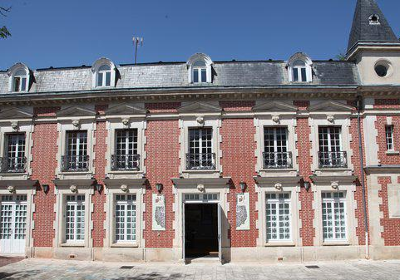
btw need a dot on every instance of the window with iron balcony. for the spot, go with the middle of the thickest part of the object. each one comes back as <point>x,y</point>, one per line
<point>14,160</point>
<point>76,158</point>
<point>331,154</point>
<point>276,154</point>
<point>126,157</point>
<point>200,155</point>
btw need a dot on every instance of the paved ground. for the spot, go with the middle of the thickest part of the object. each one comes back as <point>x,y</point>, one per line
<point>52,269</point>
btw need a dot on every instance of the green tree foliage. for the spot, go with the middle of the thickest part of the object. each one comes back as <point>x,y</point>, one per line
<point>4,33</point>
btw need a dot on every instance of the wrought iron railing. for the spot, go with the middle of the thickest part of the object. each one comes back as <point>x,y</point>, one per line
<point>78,163</point>
<point>13,164</point>
<point>125,162</point>
<point>204,161</point>
<point>278,160</point>
<point>332,159</point>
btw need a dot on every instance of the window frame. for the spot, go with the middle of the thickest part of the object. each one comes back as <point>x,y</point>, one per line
<point>105,76</point>
<point>389,138</point>
<point>286,147</point>
<point>278,202</point>
<point>333,201</point>
<point>76,203</point>
<point>126,203</point>
<point>96,70</point>
<point>191,66</point>
<point>293,63</point>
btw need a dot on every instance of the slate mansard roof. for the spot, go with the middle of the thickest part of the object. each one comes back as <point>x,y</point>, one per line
<point>175,75</point>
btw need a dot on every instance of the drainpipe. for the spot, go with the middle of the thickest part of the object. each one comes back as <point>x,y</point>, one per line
<point>364,197</point>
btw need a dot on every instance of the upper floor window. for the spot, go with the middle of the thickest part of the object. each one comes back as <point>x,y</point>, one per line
<point>19,81</point>
<point>19,78</point>
<point>76,155</point>
<point>126,157</point>
<point>331,154</point>
<point>200,69</point>
<point>104,73</point>
<point>14,160</point>
<point>104,76</point>
<point>389,138</point>
<point>200,155</point>
<point>300,70</point>
<point>276,153</point>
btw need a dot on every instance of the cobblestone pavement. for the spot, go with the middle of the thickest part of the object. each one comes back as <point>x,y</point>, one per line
<point>53,269</point>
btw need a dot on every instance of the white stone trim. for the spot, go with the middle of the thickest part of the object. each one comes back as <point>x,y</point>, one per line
<point>351,220</point>
<point>133,123</point>
<point>294,191</point>
<point>308,64</point>
<point>23,126</point>
<point>212,121</point>
<point>64,125</point>
<point>199,57</point>
<point>370,139</point>
<point>109,223</point>
<point>288,121</point>
<point>178,204</point>
<point>31,208</point>
<point>59,209</point>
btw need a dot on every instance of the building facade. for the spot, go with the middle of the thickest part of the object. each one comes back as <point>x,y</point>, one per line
<point>272,161</point>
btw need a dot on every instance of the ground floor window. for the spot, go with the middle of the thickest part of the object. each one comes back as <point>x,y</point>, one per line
<point>125,218</point>
<point>75,218</point>
<point>278,216</point>
<point>334,216</point>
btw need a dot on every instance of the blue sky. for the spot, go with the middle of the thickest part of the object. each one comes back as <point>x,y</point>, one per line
<point>76,32</point>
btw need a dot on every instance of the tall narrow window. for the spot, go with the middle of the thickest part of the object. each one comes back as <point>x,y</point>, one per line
<point>200,154</point>
<point>389,138</point>
<point>76,157</point>
<point>14,161</point>
<point>334,216</point>
<point>276,154</point>
<point>330,148</point>
<point>125,218</point>
<point>278,215</point>
<point>126,151</point>
<point>104,76</point>
<point>299,71</point>
<point>75,218</point>
<point>20,81</point>
<point>199,72</point>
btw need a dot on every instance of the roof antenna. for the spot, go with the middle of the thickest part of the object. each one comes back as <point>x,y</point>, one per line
<point>137,41</point>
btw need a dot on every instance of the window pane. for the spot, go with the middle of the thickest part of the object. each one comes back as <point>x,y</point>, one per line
<point>203,75</point>
<point>295,74</point>
<point>17,83</point>
<point>278,217</point>
<point>303,75</point>
<point>108,79</point>
<point>23,84</point>
<point>334,216</point>
<point>195,75</point>
<point>100,79</point>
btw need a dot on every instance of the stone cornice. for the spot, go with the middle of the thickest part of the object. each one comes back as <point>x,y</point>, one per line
<point>130,183</point>
<point>19,183</point>
<point>270,181</point>
<point>207,182</point>
<point>382,169</point>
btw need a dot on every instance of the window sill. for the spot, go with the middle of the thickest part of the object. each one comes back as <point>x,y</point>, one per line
<point>124,245</point>
<point>72,245</point>
<point>125,172</point>
<point>335,243</point>
<point>280,244</point>
<point>200,171</point>
<point>392,153</point>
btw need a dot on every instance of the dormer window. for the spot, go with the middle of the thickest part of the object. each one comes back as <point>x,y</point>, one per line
<point>104,73</point>
<point>199,72</point>
<point>104,76</point>
<point>19,78</point>
<point>299,68</point>
<point>20,81</point>
<point>299,71</point>
<point>199,69</point>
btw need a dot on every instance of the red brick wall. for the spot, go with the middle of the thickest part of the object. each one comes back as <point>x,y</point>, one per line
<point>44,164</point>
<point>303,146</point>
<point>237,106</point>
<point>391,227</point>
<point>162,163</point>
<point>98,199</point>
<point>380,125</point>
<point>387,103</point>
<point>238,161</point>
